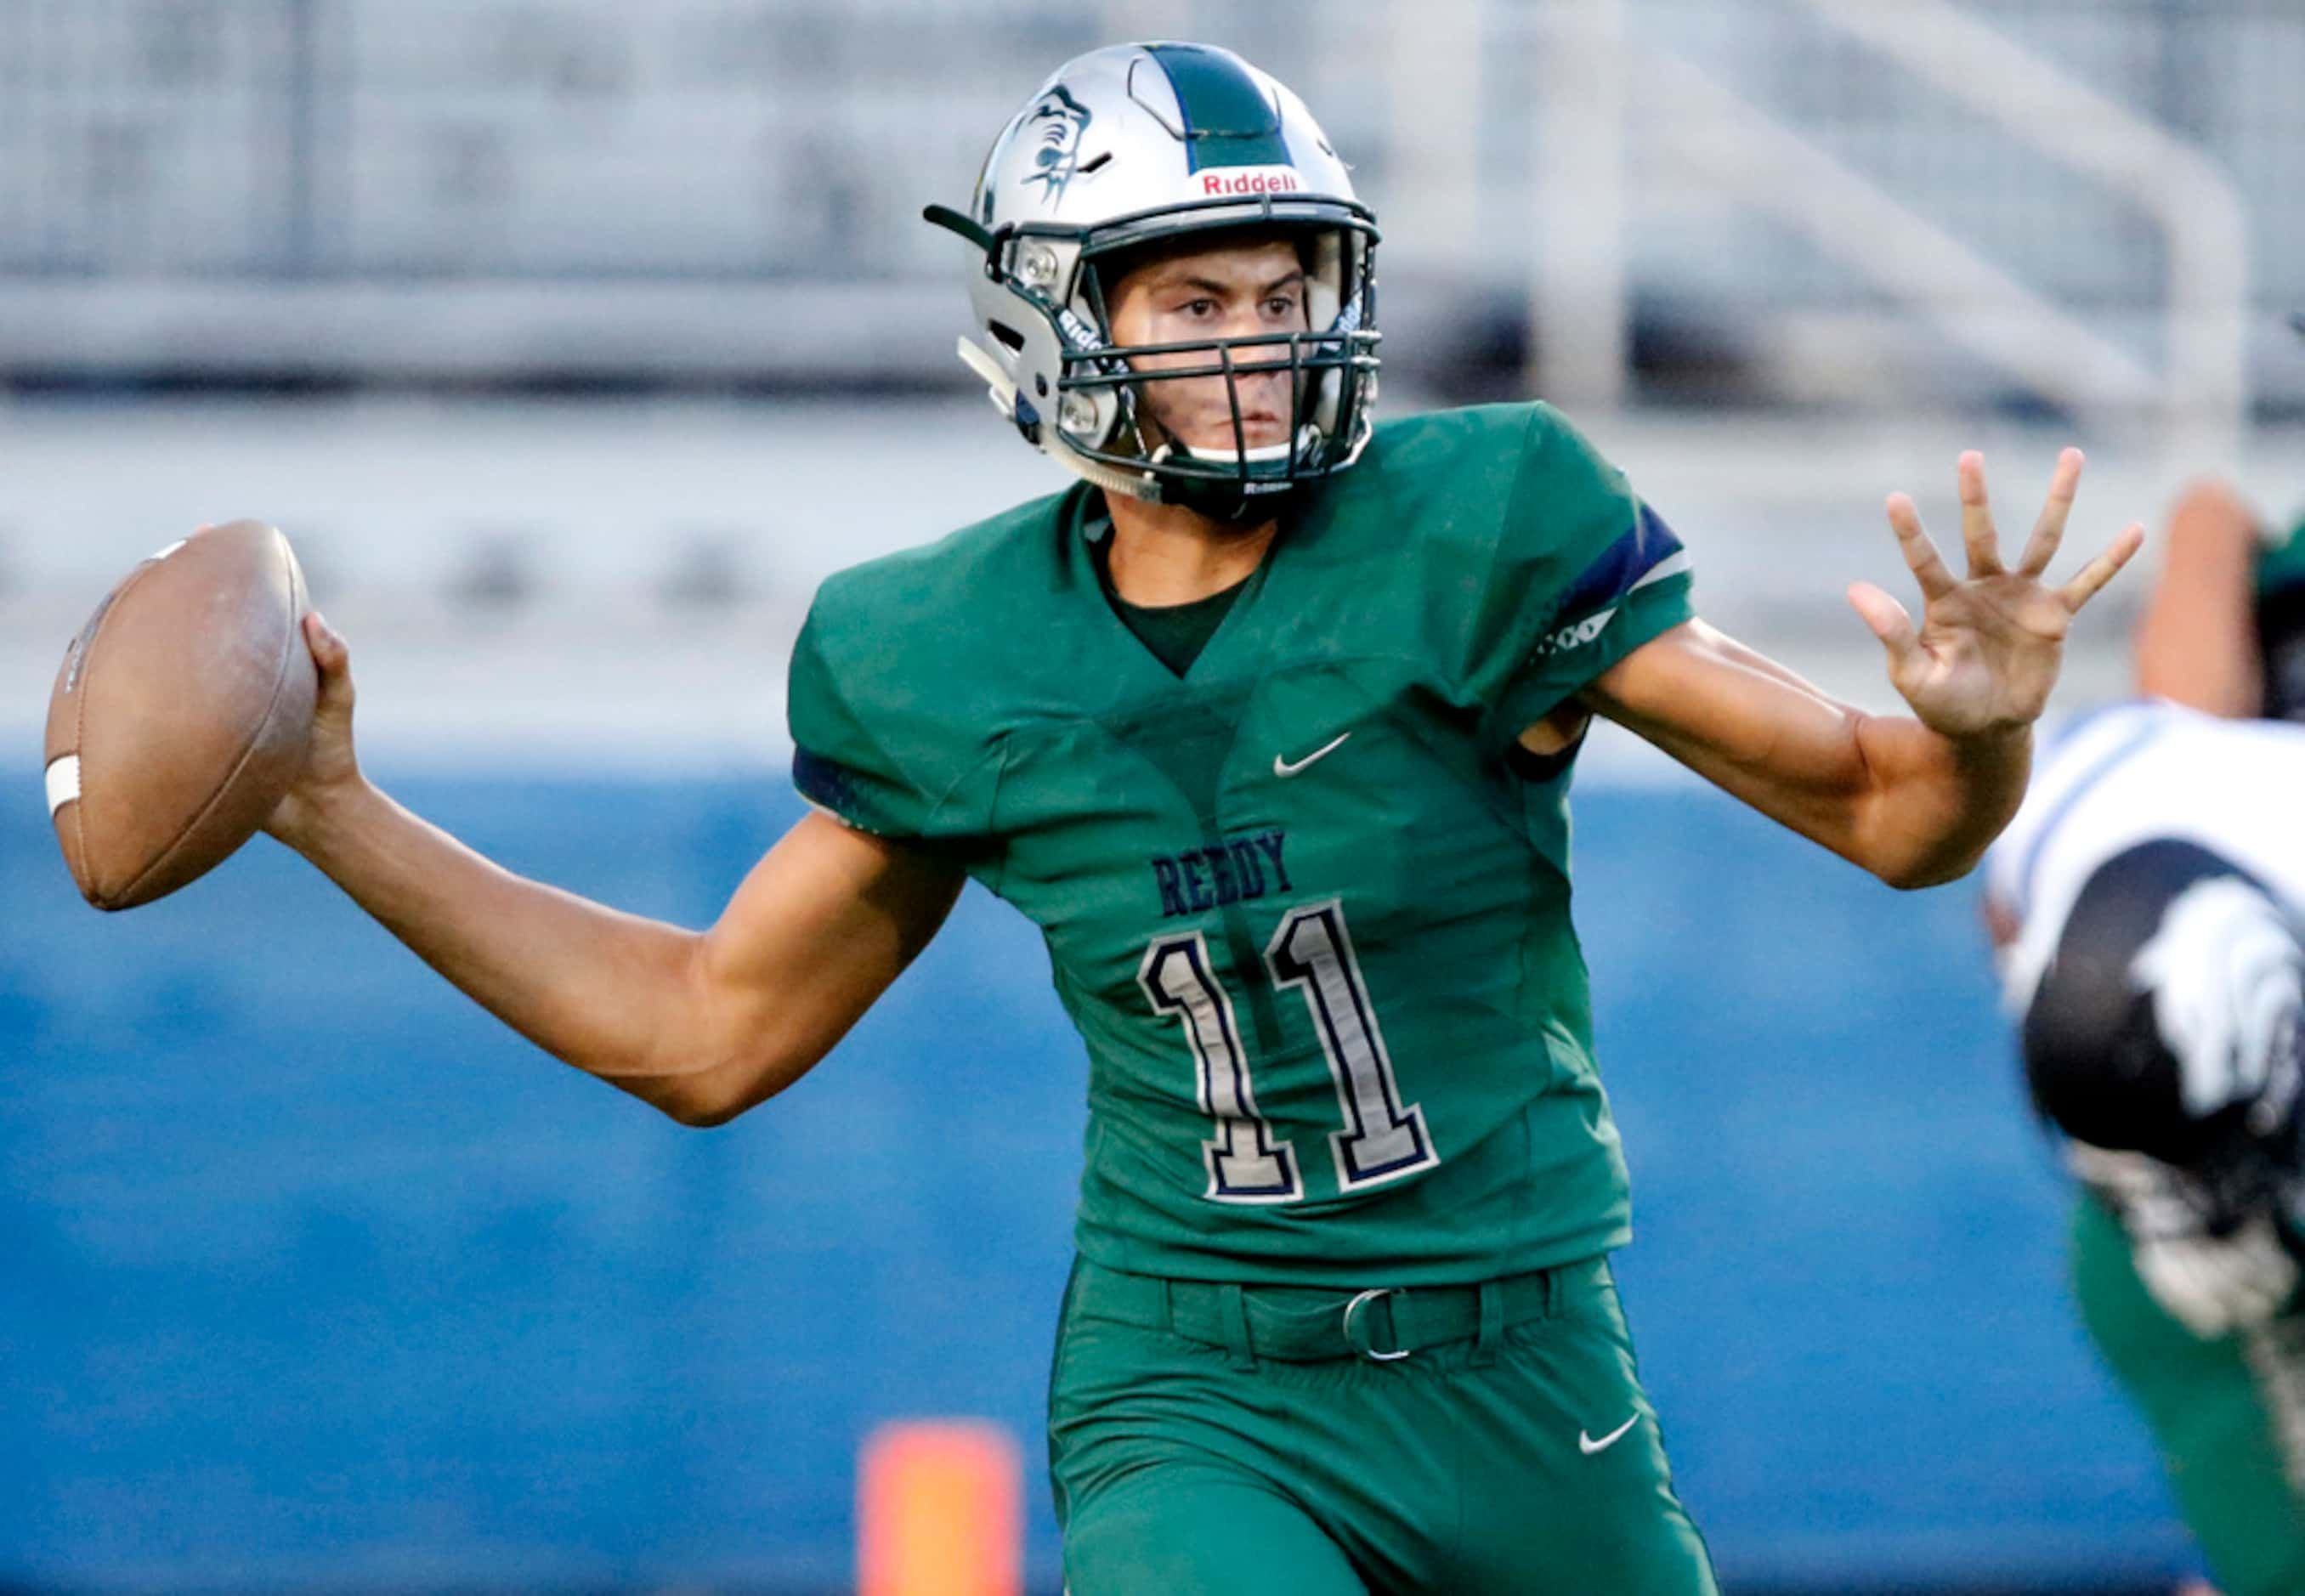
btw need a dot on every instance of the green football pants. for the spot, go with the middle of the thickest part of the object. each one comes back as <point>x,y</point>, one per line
<point>2228,1413</point>
<point>1209,1440</point>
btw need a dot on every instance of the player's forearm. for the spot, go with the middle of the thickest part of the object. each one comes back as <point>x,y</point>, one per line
<point>2195,642</point>
<point>1885,793</point>
<point>1932,804</point>
<point>1888,794</point>
<point>601,990</point>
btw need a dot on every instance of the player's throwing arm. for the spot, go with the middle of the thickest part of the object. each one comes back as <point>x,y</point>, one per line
<point>700,1024</point>
<point>203,701</point>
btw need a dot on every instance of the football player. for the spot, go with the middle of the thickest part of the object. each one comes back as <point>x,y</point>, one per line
<point>2224,629</point>
<point>1267,722</point>
<point>2147,902</point>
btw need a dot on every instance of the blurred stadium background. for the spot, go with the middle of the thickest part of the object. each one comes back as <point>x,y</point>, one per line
<point>574,342</point>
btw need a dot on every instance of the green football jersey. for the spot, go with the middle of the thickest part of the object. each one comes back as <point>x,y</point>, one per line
<point>1309,915</point>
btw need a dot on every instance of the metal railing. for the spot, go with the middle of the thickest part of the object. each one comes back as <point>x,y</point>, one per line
<point>2199,210</point>
<point>470,183</point>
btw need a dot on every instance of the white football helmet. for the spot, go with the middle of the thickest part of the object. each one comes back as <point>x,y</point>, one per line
<point>1142,144</point>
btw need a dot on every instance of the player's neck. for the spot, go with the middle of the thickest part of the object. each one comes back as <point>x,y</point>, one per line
<point>1166,555</point>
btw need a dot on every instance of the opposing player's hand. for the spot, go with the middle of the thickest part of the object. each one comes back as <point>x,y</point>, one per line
<point>1986,651</point>
<point>331,768</point>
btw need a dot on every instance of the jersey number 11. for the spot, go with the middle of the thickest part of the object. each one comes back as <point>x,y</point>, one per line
<point>1312,953</point>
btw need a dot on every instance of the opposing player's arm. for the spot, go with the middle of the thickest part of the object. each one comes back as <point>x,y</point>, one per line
<point>2197,639</point>
<point>1912,799</point>
<point>702,1025</point>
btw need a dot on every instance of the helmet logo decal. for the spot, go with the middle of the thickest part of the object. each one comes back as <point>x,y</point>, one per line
<point>1054,125</point>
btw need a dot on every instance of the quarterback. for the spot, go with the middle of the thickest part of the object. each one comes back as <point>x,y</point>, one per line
<point>1267,723</point>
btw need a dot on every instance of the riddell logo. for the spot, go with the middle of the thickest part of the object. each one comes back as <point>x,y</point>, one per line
<point>1267,180</point>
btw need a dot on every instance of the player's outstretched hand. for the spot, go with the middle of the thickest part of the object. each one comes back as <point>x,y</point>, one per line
<point>330,765</point>
<point>1985,654</point>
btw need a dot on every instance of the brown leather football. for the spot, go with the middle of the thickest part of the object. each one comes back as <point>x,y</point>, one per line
<point>182,714</point>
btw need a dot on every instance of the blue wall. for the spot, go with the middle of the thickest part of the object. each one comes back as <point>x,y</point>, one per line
<point>309,1273</point>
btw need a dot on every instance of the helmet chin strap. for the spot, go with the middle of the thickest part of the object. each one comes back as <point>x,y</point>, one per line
<point>1208,497</point>
<point>1104,475</point>
<point>1264,454</point>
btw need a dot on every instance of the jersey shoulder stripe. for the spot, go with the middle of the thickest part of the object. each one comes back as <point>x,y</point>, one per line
<point>1646,553</point>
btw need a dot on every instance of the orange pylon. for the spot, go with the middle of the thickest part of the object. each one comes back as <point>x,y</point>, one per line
<point>939,1510</point>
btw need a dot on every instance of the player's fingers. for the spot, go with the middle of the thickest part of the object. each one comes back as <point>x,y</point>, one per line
<point>1976,531</point>
<point>1887,619</point>
<point>2103,568</point>
<point>2049,532</point>
<point>1920,553</point>
<point>330,653</point>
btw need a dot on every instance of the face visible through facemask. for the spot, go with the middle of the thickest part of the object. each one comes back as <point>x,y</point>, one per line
<point>1252,286</point>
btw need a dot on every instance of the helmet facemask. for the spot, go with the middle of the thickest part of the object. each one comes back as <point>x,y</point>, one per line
<point>1324,373</point>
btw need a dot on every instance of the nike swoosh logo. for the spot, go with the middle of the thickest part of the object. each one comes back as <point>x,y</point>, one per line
<point>1281,768</point>
<point>1589,1446</point>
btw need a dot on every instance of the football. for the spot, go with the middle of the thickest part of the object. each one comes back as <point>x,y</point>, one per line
<point>180,715</point>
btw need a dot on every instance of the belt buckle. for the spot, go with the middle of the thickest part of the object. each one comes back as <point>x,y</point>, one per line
<point>1360,1342</point>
